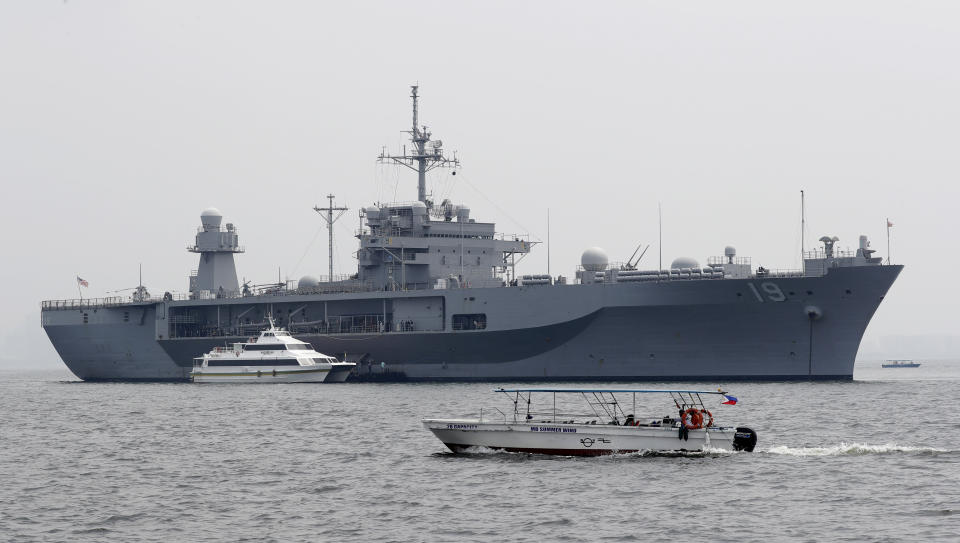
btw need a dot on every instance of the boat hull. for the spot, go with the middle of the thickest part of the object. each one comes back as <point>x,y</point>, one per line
<point>465,436</point>
<point>705,329</point>
<point>325,373</point>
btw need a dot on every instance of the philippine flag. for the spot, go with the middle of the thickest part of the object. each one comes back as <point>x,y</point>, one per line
<point>729,400</point>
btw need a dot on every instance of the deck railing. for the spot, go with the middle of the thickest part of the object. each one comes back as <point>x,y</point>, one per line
<point>85,303</point>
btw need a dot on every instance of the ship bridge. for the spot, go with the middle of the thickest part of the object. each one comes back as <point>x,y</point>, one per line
<point>407,247</point>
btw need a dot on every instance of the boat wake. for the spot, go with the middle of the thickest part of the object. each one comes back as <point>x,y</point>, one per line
<point>842,449</point>
<point>851,449</point>
<point>707,452</point>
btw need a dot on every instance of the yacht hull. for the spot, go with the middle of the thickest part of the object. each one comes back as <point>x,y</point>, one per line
<point>325,373</point>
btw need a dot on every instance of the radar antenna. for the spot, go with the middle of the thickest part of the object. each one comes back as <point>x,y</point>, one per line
<point>426,154</point>
<point>330,219</point>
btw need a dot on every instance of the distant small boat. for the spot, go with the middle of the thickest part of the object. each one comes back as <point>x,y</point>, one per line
<point>900,364</point>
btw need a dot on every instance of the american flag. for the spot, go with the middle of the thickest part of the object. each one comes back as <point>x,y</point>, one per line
<point>889,224</point>
<point>82,282</point>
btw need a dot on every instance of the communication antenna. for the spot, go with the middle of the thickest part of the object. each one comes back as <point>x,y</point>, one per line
<point>330,219</point>
<point>548,241</point>
<point>660,234</point>
<point>425,156</point>
<point>803,226</point>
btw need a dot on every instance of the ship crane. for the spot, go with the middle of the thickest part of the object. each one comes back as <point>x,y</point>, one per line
<point>140,293</point>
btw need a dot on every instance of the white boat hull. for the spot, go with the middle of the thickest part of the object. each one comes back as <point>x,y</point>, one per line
<point>459,435</point>
<point>320,373</point>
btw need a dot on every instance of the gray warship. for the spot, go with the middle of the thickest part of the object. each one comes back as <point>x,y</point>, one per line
<point>436,297</point>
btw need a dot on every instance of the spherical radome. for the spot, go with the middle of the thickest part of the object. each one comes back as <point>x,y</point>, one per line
<point>308,281</point>
<point>594,259</point>
<point>684,262</point>
<point>211,216</point>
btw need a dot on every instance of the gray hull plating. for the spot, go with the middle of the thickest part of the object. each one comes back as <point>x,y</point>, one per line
<point>729,329</point>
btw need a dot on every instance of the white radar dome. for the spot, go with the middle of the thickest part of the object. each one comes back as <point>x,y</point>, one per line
<point>594,259</point>
<point>730,250</point>
<point>684,262</point>
<point>308,281</point>
<point>211,217</point>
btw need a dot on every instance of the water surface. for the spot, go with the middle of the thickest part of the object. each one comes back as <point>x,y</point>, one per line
<point>874,459</point>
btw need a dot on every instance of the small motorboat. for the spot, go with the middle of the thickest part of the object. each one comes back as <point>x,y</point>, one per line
<point>274,357</point>
<point>605,425</point>
<point>900,364</point>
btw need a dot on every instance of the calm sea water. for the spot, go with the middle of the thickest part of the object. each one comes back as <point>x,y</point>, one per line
<point>876,459</point>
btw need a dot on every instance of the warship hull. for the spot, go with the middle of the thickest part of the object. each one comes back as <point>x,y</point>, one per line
<point>758,328</point>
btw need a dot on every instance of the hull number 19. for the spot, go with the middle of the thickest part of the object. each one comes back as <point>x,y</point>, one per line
<point>772,291</point>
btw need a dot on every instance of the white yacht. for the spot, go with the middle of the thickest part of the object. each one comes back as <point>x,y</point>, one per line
<point>274,357</point>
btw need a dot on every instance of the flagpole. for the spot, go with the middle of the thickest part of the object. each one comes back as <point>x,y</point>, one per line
<point>78,290</point>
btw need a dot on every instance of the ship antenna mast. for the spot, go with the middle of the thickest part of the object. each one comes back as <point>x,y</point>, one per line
<point>330,219</point>
<point>803,227</point>
<point>426,154</point>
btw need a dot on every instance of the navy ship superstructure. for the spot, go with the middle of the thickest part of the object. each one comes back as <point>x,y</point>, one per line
<point>436,296</point>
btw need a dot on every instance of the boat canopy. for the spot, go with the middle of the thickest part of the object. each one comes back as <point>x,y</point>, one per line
<point>609,391</point>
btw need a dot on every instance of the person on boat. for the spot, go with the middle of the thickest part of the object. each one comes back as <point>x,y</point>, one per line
<point>684,433</point>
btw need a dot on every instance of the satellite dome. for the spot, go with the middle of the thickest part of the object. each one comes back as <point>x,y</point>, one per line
<point>684,262</point>
<point>730,250</point>
<point>594,259</point>
<point>211,217</point>
<point>308,281</point>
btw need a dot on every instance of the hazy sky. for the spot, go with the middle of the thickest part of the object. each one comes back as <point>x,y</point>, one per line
<point>121,121</point>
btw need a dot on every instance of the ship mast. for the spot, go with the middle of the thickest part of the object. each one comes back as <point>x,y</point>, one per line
<point>426,154</point>
<point>330,219</point>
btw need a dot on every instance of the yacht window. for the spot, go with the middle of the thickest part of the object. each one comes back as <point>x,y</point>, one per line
<point>255,363</point>
<point>264,347</point>
<point>298,347</point>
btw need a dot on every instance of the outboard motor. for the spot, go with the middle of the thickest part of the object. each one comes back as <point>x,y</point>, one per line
<point>745,439</point>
